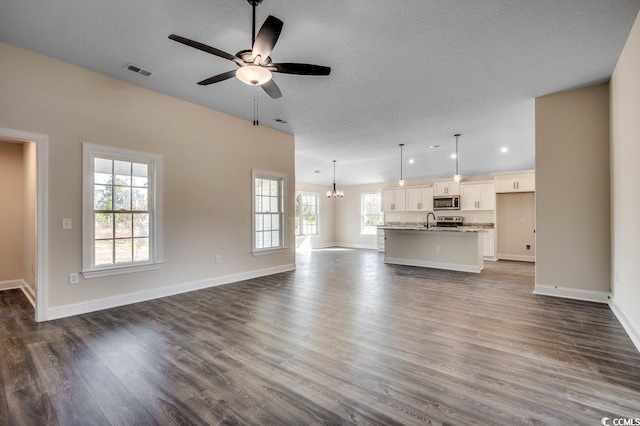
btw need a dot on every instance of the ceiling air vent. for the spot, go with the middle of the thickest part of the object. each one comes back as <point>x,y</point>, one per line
<point>138,70</point>
<point>280,120</point>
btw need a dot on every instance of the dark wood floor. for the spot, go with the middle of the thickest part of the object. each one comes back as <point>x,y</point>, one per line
<point>344,339</point>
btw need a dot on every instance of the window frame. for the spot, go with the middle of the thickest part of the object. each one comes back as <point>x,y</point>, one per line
<point>263,174</point>
<point>308,194</point>
<point>362,213</point>
<point>155,161</point>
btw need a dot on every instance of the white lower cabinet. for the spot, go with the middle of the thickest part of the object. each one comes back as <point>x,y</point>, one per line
<point>489,243</point>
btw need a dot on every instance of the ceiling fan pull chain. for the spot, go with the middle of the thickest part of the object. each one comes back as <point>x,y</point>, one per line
<point>255,107</point>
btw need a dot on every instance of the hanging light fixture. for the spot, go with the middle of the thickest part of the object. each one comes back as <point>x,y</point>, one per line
<point>456,177</point>
<point>401,181</point>
<point>335,193</point>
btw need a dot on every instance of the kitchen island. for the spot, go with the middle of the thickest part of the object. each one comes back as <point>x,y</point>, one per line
<point>455,249</point>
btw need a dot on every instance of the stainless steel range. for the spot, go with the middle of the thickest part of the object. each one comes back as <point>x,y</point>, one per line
<point>450,221</point>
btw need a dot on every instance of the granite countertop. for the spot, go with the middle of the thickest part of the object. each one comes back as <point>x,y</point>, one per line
<point>420,226</point>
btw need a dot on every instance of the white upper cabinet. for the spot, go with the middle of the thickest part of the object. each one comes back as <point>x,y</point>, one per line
<point>446,188</point>
<point>478,196</point>
<point>393,200</point>
<point>516,182</point>
<point>419,199</point>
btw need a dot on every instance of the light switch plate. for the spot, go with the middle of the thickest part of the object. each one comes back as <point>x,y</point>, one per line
<point>66,223</point>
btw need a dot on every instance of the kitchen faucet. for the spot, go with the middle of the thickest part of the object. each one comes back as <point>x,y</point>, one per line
<point>434,218</point>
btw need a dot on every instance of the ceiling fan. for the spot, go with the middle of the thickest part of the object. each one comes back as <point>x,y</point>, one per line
<point>255,66</point>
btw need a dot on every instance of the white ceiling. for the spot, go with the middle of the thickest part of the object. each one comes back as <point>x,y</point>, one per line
<point>410,71</point>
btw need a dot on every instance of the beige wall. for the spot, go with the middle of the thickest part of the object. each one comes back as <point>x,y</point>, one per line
<point>29,214</point>
<point>625,178</point>
<point>347,213</point>
<point>516,224</point>
<point>11,189</point>
<point>325,238</point>
<point>572,189</point>
<point>208,158</point>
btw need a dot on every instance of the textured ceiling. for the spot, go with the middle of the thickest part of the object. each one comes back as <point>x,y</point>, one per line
<point>412,72</point>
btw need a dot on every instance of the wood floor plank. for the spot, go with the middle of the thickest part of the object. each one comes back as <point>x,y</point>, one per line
<point>344,339</point>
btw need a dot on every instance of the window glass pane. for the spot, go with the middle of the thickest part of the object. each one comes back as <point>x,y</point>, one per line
<point>265,187</point>
<point>266,239</point>
<point>140,249</point>
<point>266,204</point>
<point>122,170</point>
<point>258,187</point>
<point>124,252</point>
<point>140,174</point>
<point>259,240</point>
<point>139,199</point>
<point>141,225</point>
<point>122,197</point>
<point>274,205</point>
<point>124,225</point>
<point>102,197</point>
<point>275,239</point>
<point>259,222</point>
<point>274,188</point>
<point>102,165</point>
<point>267,222</point>
<point>103,225</point>
<point>104,252</point>
<point>275,221</point>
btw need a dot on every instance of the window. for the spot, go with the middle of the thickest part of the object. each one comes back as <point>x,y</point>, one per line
<point>268,212</point>
<point>122,211</point>
<point>307,213</point>
<point>370,213</point>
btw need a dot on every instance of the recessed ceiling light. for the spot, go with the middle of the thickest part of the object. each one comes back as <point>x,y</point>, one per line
<point>280,120</point>
<point>504,149</point>
<point>411,161</point>
<point>453,156</point>
<point>317,171</point>
<point>434,146</point>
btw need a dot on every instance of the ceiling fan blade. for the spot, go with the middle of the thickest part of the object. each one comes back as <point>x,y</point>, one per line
<point>267,38</point>
<point>300,69</point>
<point>203,47</point>
<point>217,78</point>
<point>272,89</point>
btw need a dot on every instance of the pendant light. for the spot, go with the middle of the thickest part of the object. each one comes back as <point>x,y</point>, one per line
<point>335,193</point>
<point>456,177</point>
<point>401,181</point>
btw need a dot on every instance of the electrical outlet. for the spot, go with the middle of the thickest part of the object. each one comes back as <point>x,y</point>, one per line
<point>66,223</point>
<point>218,258</point>
<point>74,278</point>
<point>527,246</point>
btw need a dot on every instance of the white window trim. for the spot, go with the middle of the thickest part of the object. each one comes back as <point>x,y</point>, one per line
<point>263,174</point>
<point>362,215</point>
<point>316,194</point>
<point>156,253</point>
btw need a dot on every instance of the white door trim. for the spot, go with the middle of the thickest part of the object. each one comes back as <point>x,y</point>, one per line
<point>42,214</point>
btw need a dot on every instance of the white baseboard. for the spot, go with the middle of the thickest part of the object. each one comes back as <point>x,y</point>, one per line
<point>435,265</point>
<point>516,257</point>
<point>357,246</point>
<point>626,324</point>
<point>322,245</point>
<point>22,285</point>
<point>141,296</point>
<point>572,293</point>
<point>11,284</point>
<point>28,291</point>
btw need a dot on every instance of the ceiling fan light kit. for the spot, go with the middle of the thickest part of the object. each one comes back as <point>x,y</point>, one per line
<point>254,66</point>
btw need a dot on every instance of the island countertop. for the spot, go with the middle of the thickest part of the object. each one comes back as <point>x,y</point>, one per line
<point>432,228</point>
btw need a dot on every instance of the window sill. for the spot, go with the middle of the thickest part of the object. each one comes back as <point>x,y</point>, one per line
<point>263,252</point>
<point>119,270</point>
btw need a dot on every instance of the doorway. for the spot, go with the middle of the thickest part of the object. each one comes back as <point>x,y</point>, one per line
<point>33,150</point>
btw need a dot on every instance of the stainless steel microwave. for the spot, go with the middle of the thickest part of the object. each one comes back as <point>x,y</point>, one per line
<point>448,202</point>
